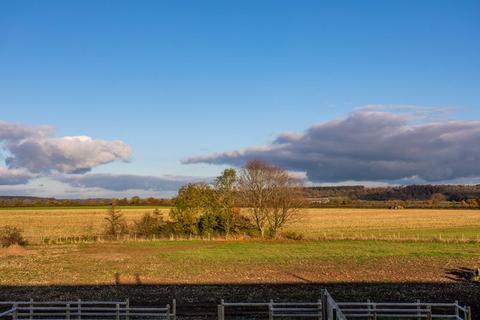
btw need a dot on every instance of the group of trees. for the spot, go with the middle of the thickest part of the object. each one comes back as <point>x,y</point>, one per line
<point>269,198</point>
<point>412,196</point>
<point>400,193</point>
<point>149,225</point>
<point>203,209</point>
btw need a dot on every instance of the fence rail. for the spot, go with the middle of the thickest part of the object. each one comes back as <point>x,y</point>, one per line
<point>326,308</point>
<point>83,310</point>
<point>414,310</point>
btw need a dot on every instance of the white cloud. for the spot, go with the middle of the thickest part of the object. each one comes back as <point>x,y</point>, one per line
<point>33,151</point>
<point>67,154</point>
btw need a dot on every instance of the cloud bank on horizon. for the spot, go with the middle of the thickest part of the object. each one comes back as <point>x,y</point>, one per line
<point>124,182</point>
<point>371,145</point>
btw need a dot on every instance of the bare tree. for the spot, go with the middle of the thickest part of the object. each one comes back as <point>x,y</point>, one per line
<point>271,196</point>
<point>286,202</point>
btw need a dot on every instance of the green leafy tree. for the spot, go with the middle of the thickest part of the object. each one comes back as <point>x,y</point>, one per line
<point>189,205</point>
<point>224,199</point>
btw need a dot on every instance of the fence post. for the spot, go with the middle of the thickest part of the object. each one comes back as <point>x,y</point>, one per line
<point>127,309</point>
<point>418,310</point>
<point>221,310</point>
<point>68,311</point>
<point>15,313</point>
<point>174,309</point>
<point>369,307</point>
<point>270,310</point>
<point>457,312</point>
<point>374,305</point>
<point>320,312</point>
<point>429,312</point>
<point>31,308</point>
<point>324,304</point>
<point>79,309</point>
<point>469,313</point>
<point>117,314</point>
<point>168,312</point>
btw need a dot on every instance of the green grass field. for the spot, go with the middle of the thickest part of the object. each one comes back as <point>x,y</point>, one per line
<point>233,261</point>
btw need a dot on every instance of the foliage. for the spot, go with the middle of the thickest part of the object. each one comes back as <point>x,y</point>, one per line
<point>151,224</point>
<point>190,204</point>
<point>36,202</point>
<point>292,235</point>
<point>224,200</point>
<point>205,210</point>
<point>10,235</point>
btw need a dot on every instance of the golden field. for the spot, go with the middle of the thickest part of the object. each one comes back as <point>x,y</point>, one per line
<point>314,223</point>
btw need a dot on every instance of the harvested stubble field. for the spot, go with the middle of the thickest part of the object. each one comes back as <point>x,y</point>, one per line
<point>424,224</point>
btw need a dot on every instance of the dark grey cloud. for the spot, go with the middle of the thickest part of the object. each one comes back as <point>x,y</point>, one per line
<point>124,182</point>
<point>34,151</point>
<point>370,145</point>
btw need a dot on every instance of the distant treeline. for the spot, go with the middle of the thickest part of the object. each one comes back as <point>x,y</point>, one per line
<point>413,196</point>
<point>412,192</point>
<point>15,201</point>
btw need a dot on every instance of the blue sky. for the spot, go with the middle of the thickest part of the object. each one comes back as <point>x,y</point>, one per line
<point>180,79</point>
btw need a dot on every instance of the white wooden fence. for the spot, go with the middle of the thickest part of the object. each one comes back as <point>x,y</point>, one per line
<point>417,310</point>
<point>83,310</point>
<point>326,308</point>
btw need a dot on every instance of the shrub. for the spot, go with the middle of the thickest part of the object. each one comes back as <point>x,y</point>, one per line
<point>208,224</point>
<point>292,235</point>
<point>115,223</point>
<point>150,225</point>
<point>10,235</point>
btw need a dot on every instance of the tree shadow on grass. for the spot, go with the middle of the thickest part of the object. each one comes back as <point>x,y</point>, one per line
<point>461,274</point>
